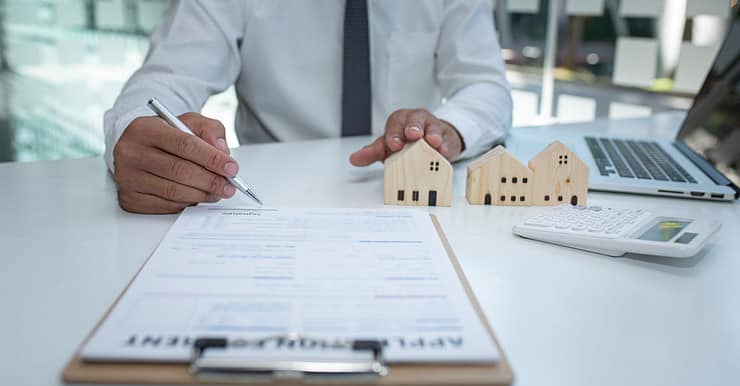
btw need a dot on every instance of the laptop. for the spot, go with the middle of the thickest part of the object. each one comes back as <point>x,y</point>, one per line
<point>702,162</point>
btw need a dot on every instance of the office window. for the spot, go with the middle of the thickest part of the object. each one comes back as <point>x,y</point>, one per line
<point>62,65</point>
<point>611,59</point>
<point>400,195</point>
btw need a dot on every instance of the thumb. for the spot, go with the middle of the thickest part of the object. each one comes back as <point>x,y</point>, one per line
<point>375,151</point>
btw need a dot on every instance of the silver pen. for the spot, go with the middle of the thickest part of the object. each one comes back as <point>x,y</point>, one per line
<point>170,118</point>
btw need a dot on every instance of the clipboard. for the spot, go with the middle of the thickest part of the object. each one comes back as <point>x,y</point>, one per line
<point>500,373</point>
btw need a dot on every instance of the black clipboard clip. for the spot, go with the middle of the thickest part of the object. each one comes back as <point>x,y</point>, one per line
<point>223,366</point>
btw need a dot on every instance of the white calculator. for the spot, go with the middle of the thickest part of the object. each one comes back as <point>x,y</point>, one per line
<point>615,232</point>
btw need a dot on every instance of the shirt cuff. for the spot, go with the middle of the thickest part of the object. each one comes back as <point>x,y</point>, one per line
<point>472,134</point>
<point>114,128</point>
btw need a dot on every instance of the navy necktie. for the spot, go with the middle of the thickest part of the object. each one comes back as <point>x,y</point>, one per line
<point>356,102</point>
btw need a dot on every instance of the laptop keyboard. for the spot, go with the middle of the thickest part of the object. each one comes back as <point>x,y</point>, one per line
<point>636,159</point>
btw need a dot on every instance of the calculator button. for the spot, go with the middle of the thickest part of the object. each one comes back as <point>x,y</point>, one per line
<point>544,224</point>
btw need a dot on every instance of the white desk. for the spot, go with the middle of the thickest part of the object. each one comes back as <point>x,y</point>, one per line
<point>564,317</point>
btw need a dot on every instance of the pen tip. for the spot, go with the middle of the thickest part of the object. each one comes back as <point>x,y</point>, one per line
<point>254,197</point>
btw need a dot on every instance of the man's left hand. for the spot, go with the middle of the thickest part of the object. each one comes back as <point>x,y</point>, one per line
<point>408,126</point>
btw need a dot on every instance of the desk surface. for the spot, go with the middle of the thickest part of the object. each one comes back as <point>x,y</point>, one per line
<point>564,317</point>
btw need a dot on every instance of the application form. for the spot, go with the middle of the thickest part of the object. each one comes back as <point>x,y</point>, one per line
<point>322,273</point>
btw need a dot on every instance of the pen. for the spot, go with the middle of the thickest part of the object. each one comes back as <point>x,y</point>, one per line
<point>170,118</point>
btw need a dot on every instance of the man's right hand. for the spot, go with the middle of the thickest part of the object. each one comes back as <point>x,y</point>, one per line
<point>160,169</point>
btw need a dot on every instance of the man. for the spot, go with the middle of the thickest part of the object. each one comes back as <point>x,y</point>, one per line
<point>403,70</point>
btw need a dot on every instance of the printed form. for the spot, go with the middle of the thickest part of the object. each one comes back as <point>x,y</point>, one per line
<point>321,273</point>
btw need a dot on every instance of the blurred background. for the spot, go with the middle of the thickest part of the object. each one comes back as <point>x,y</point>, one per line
<point>62,63</point>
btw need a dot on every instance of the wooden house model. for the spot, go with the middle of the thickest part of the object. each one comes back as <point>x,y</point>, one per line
<point>418,175</point>
<point>554,176</point>
<point>559,176</point>
<point>498,178</point>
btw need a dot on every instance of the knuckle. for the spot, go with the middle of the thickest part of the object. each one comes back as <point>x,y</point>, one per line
<point>216,125</point>
<point>124,177</point>
<point>214,160</point>
<point>173,192</point>
<point>400,114</point>
<point>216,185</point>
<point>119,175</point>
<point>125,201</point>
<point>187,144</point>
<point>420,115</point>
<point>121,150</point>
<point>180,171</point>
<point>189,116</point>
<point>136,125</point>
<point>169,207</point>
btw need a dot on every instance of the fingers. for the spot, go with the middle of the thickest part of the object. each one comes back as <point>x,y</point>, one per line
<point>405,126</point>
<point>136,202</point>
<point>434,134</point>
<point>210,130</point>
<point>193,149</point>
<point>376,151</point>
<point>452,142</point>
<point>394,131</point>
<point>184,172</point>
<point>172,191</point>
<point>151,178</point>
<point>416,123</point>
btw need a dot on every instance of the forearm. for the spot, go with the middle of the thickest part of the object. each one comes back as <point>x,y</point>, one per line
<point>193,54</point>
<point>481,113</point>
<point>471,75</point>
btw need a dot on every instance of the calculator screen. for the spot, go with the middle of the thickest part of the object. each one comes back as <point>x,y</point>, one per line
<point>664,230</point>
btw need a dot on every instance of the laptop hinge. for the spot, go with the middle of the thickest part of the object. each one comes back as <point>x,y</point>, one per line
<point>705,167</point>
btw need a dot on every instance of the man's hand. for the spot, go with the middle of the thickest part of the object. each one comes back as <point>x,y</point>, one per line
<point>407,126</point>
<point>160,169</point>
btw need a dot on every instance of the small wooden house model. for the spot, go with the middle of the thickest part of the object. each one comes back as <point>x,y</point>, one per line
<point>418,175</point>
<point>559,176</point>
<point>498,178</point>
<point>554,176</point>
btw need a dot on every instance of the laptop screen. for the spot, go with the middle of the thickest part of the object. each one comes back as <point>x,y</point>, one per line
<point>712,125</point>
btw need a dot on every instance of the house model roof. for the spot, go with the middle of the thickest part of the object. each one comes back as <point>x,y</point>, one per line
<point>491,154</point>
<point>555,146</point>
<point>420,146</point>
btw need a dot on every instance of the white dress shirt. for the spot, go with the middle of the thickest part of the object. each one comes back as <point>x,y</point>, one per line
<point>285,60</point>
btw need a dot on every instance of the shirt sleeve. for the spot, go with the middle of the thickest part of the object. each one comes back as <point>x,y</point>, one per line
<point>471,75</point>
<point>193,54</point>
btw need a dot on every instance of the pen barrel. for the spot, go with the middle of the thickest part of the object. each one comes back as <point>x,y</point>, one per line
<point>170,118</point>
